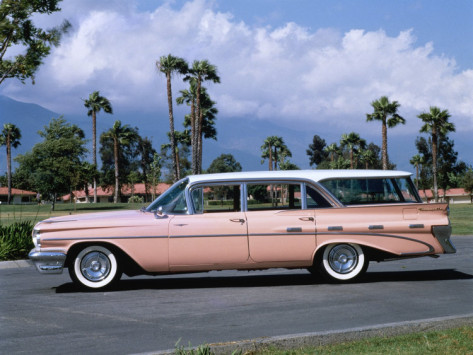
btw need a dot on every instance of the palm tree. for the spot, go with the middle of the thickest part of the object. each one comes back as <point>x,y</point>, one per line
<point>386,112</point>
<point>332,150</point>
<point>353,142</point>
<point>436,123</point>
<point>95,104</point>
<point>368,157</point>
<point>275,150</point>
<point>121,135</point>
<point>10,137</point>
<point>200,71</point>
<point>170,65</point>
<point>417,161</point>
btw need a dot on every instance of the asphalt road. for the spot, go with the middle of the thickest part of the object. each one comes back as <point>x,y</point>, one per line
<point>48,314</point>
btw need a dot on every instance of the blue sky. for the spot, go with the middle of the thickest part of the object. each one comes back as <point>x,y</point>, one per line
<point>294,62</point>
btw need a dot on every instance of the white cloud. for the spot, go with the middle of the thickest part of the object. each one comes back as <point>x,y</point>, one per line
<point>285,73</point>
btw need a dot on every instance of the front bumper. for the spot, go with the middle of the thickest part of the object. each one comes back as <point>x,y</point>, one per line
<point>48,262</point>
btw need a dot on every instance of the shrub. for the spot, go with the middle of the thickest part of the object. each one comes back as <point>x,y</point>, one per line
<point>135,199</point>
<point>16,241</point>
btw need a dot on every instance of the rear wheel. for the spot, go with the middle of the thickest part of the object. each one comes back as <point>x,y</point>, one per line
<point>95,267</point>
<point>343,262</point>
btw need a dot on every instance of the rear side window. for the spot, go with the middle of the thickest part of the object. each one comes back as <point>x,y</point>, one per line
<point>372,191</point>
<point>274,196</point>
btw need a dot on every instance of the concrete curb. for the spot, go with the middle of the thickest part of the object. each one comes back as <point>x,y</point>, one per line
<point>15,264</point>
<point>296,341</point>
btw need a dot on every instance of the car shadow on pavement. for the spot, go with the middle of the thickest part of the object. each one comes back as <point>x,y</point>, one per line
<point>193,282</point>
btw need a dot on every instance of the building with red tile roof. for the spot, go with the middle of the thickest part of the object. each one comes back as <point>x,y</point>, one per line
<point>106,195</point>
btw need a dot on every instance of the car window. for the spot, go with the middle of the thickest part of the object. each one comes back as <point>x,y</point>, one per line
<point>315,199</point>
<point>268,196</point>
<point>371,191</point>
<point>173,200</point>
<point>216,198</point>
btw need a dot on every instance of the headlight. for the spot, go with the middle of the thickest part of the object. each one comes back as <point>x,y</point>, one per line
<point>36,238</point>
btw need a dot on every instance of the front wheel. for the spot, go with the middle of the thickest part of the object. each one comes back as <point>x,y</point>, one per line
<point>343,262</point>
<point>95,267</point>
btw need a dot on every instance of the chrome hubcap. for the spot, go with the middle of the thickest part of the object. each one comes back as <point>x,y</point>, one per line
<point>343,258</point>
<point>95,266</point>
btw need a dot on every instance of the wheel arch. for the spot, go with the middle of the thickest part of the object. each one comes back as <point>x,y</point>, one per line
<point>127,264</point>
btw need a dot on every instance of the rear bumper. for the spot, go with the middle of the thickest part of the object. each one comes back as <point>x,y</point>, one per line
<point>48,262</point>
<point>442,234</point>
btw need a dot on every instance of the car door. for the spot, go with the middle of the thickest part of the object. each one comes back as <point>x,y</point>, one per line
<point>279,230</point>
<point>214,236</point>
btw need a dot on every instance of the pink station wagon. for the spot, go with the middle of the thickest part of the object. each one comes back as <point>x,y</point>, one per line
<point>332,222</point>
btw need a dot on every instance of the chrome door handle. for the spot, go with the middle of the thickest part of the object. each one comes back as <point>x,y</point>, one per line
<point>307,219</point>
<point>238,220</point>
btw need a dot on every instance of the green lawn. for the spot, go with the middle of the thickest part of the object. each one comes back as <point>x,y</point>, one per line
<point>457,341</point>
<point>461,217</point>
<point>36,213</point>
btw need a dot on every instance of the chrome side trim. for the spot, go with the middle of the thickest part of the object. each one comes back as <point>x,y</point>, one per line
<point>48,262</point>
<point>102,238</point>
<point>377,226</point>
<point>335,228</point>
<point>413,226</point>
<point>431,248</point>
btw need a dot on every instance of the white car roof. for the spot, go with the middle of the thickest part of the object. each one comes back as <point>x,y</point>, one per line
<point>314,175</point>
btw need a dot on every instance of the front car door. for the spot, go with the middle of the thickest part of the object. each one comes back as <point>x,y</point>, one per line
<point>214,236</point>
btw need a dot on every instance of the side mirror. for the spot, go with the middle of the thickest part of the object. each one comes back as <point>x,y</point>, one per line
<point>158,214</point>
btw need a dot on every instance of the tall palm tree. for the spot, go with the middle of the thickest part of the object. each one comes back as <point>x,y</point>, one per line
<point>275,150</point>
<point>386,112</point>
<point>267,150</point>
<point>10,137</point>
<point>170,65</point>
<point>121,135</point>
<point>95,104</point>
<point>417,161</point>
<point>353,142</point>
<point>436,123</point>
<point>200,71</point>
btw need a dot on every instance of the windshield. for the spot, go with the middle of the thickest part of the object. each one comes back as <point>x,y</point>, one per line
<point>173,200</point>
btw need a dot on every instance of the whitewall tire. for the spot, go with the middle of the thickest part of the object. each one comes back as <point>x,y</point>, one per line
<point>343,262</point>
<point>95,267</point>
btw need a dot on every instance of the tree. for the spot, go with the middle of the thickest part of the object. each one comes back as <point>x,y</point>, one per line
<point>155,173</point>
<point>275,150</point>
<point>436,123</point>
<point>316,151</point>
<point>95,104</point>
<point>10,138</point>
<point>18,31</point>
<point>121,136</point>
<point>367,157</point>
<point>386,112</point>
<point>182,152</point>
<point>332,150</point>
<point>225,163</point>
<point>170,65</point>
<point>417,161</point>
<point>208,115</point>
<point>467,182</point>
<point>200,71</point>
<point>52,166</point>
<point>354,143</point>
<point>146,152</point>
